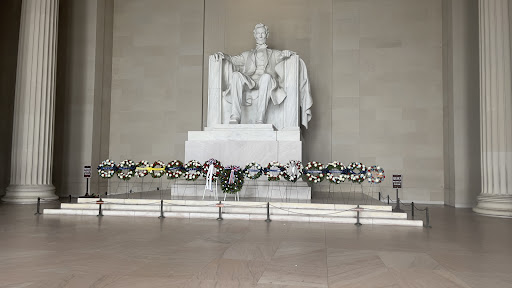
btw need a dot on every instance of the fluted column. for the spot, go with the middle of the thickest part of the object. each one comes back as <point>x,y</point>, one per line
<point>495,110</point>
<point>32,141</point>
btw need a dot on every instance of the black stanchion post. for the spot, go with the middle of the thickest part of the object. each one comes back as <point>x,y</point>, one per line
<point>69,198</point>
<point>379,196</point>
<point>161,210</point>
<point>412,210</point>
<point>220,205</point>
<point>427,224</point>
<point>38,206</point>
<point>87,187</point>
<point>100,213</point>
<point>397,207</point>
<point>388,199</point>
<point>268,213</point>
<point>358,223</point>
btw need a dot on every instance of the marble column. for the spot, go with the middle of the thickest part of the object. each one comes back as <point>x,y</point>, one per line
<point>32,141</point>
<point>495,110</point>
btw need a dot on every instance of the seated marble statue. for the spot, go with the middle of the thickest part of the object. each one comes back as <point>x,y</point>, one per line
<point>254,78</point>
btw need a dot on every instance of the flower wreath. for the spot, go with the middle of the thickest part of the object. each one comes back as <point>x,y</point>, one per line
<point>293,170</point>
<point>232,179</point>
<point>272,168</point>
<point>128,166</point>
<point>141,168</point>
<point>372,178</point>
<point>192,170</point>
<point>174,169</point>
<point>107,169</point>
<point>157,169</point>
<point>253,170</point>
<point>216,164</point>
<point>357,172</point>
<point>313,172</point>
<point>336,168</point>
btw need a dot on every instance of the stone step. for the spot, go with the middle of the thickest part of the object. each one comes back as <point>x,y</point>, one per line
<point>235,209</point>
<point>228,216</point>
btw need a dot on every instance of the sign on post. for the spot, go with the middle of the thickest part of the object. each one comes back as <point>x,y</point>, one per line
<point>397,181</point>
<point>87,171</point>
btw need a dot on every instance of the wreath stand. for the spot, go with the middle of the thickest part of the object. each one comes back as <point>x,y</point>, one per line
<point>214,190</point>
<point>237,196</point>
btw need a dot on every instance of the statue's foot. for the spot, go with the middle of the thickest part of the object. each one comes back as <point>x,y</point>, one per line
<point>260,122</point>
<point>234,120</point>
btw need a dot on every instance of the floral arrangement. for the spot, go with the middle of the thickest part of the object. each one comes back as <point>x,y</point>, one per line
<point>313,172</point>
<point>157,169</point>
<point>192,170</point>
<point>357,172</point>
<point>232,179</point>
<point>336,168</point>
<point>379,177</point>
<point>216,164</point>
<point>174,169</point>
<point>141,168</point>
<point>274,171</point>
<point>293,170</point>
<point>253,170</point>
<point>125,170</point>
<point>107,169</point>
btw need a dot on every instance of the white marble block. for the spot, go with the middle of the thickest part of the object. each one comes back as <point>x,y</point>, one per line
<point>239,144</point>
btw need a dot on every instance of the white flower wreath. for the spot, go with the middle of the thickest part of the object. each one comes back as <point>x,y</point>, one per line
<point>336,168</point>
<point>293,170</point>
<point>157,169</point>
<point>107,169</point>
<point>193,170</point>
<point>313,172</point>
<point>174,169</point>
<point>125,170</point>
<point>141,168</point>
<point>274,171</point>
<point>357,172</point>
<point>375,174</point>
<point>253,170</point>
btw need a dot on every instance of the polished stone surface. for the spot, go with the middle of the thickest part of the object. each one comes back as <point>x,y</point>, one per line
<point>462,249</point>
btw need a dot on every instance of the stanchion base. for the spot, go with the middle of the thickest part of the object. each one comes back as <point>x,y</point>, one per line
<point>398,210</point>
<point>268,220</point>
<point>358,224</point>
<point>219,219</point>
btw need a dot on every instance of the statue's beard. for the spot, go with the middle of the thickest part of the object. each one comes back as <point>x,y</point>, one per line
<point>261,41</point>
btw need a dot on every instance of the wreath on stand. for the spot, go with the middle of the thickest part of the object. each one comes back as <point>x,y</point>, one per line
<point>357,172</point>
<point>253,170</point>
<point>216,164</point>
<point>274,171</point>
<point>293,170</point>
<point>375,174</point>
<point>232,179</point>
<point>313,172</point>
<point>192,170</point>
<point>336,168</point>
<point>174,169</point>
<point>157,169</point>
<point>107,169</point>
<point>141,168</point>
<point>125,170</point>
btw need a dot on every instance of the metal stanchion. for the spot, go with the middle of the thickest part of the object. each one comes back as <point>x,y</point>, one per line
<point>38,206</point>
<point>268,213</point>
<point>358,223</point>
<point>161,210</point>
<point>388,199</point>
<point>100,213</point>
<point>220,205</point>
<point>397,207</point>
<point>379,196</point>
<point>69,198</point>
<point>412,210</point>
<point>427,224</point>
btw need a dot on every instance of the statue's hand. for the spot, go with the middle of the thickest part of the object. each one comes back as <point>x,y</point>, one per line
<point>287,54</point>
<point>218,56</point>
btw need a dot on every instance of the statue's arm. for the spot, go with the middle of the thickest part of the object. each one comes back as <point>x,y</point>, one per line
<point>283,55</point>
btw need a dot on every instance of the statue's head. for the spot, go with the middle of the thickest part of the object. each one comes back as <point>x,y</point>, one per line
<point>261,33</point>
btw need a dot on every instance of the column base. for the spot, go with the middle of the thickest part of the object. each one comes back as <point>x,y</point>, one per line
<point>28,194</point>
<point>494,205</point>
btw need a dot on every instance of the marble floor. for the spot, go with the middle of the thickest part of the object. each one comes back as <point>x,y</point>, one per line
<point>461,250</point>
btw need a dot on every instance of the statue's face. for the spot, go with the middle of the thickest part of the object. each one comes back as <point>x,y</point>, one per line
<point>260,35</point>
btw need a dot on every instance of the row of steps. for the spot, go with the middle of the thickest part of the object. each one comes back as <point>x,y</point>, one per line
<point>279,211</point>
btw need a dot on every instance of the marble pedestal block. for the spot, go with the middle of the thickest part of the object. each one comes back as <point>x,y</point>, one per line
<point>239,144</point>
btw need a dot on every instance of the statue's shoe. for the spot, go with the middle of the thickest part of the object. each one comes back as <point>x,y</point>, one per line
<point>260,122</point>
<point>234,121</point>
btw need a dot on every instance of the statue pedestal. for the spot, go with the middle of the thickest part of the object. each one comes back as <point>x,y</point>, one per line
<point>239,144</point>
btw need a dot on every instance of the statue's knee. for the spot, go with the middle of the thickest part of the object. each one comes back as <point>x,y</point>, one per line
<point>265,78</point>
<point>236,76</point>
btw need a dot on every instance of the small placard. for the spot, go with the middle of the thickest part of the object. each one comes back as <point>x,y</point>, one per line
<point>397,181</point>
<point>87,171</point>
